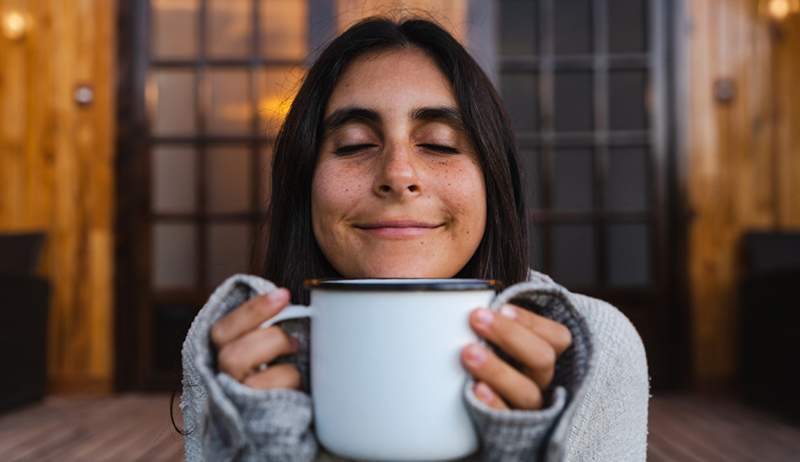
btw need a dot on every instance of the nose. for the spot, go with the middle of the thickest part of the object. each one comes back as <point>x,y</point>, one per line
<point>397,174</point>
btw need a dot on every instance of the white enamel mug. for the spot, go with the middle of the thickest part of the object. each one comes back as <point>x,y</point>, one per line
<point>387,381</point>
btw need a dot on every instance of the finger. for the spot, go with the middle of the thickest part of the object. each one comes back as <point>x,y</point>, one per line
<point>519,391</point>
<point>239,357</point>
<point>277,376</point>
<point>555,333</point>
<point>536,355</point>
<point>485,393</point>
<point>248,316</point>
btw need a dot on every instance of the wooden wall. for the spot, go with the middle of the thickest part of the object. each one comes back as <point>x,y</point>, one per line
<point>56,172</point>
<point>742,157</point>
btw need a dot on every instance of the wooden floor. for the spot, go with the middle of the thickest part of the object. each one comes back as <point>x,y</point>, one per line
<point>136,427</point>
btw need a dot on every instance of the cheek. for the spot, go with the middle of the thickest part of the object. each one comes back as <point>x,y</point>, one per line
<point>333,192</point>
<point>467,197</point>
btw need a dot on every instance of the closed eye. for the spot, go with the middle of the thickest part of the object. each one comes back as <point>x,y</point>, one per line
<point>440,148</point>
<point>344,150</point>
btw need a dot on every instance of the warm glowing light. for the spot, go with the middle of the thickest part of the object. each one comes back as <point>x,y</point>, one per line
<point>274,108</point>
<point>14,24</point>
<point>780,9</point>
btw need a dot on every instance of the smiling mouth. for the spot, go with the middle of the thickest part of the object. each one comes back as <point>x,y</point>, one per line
<point>398,229</point>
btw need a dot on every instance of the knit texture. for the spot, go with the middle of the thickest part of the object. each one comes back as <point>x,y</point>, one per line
<point>594,410</point>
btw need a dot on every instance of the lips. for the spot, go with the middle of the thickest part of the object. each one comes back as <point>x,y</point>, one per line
<point>398,228</point>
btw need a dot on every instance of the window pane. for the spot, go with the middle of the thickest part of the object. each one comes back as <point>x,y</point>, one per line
<point>228,251</point>
<point>174,28</point>
<point>284,29</point>
<point>573,106</point>
<point>573,255</point>
<point>626,188</point>
<point>627,24</point>
<point>231,108</point>
<point>173,173</point>
<point>518,27</point>
<point>627,95</point>
<point>277,87</point>
<point>519,96</point>
<point>573,26</point>
<point>573,179</point>
<point>174,256</point>
<point>174,110</point>
<point>629,255</point>
<point>265,174</point>
<point>228,174</point>
<point>229,27</point>
<point>529,164</point>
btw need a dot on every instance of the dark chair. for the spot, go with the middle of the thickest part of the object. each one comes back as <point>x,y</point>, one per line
<point>769,293</point>
<point>23,320</point>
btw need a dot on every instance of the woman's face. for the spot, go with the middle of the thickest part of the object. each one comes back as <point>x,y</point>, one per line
<point>398,190</point>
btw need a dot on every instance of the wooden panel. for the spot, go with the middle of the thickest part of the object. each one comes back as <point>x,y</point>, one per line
<point>738,149</point>
<point>56,172</point>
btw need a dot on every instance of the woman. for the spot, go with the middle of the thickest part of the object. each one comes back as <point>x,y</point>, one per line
<point>397,160</point>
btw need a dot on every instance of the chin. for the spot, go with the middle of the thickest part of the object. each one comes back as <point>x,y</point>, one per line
<point>405,270</point>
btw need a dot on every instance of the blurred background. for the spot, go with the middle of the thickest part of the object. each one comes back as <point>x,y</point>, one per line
<point>660,142</point>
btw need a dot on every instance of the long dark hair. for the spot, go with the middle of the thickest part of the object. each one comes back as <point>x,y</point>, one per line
<point>292,253</point>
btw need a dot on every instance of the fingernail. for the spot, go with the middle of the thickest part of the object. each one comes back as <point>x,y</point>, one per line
<point>277,295</point>
<point>508,311</point>
<point>476,354</point>
<point>485,316</point>
<point>483,392</point>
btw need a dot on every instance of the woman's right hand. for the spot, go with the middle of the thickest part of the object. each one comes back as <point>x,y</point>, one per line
<point>242,345</point>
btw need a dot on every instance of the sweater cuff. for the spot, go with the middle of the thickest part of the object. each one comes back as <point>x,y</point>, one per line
<point>514,434</point>
<point>276,421</point>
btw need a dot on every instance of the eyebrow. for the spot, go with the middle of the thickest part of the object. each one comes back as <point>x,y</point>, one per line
<point>342,116</point>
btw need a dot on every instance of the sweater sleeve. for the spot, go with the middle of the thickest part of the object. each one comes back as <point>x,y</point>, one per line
<point>225,420</point>
<point>522,435</point>
<point>611,421</point>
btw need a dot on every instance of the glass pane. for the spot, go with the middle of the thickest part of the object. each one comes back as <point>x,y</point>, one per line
<point>518,27</point>
<point>173,179</point>
<point>231,108</point>
<point>265,174</point>
<point>228,174</point>
<point>628,251</point>
<point>626,188</point>
<point>627,93</point>
<point>573,106</point>
<point>229,27</point>
<point>529,164</point>
<point>284,29</point>
<point>174,256</point>
<point>573,26</point>
<point>573,255</point>
<point>535,247</point>
<point>174,28</point>
<point>228,251</point>
<point>627,22</point>
<point>572,179</point>
<point>519,96</point>
<point>174,110</point>
<point>277,87</point>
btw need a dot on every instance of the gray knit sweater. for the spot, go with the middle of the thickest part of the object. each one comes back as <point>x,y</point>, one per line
<point>595,409</point>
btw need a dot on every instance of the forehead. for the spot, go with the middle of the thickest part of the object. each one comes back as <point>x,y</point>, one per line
<point>392,80</point>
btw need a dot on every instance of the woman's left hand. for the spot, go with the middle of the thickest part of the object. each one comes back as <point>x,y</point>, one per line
<point>533,340</point>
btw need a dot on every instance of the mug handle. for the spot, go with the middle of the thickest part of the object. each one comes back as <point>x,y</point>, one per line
<point>290,312</point>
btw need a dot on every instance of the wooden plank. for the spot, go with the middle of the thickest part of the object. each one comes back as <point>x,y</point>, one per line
<point>737,151</point>
<point>56,164</point>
